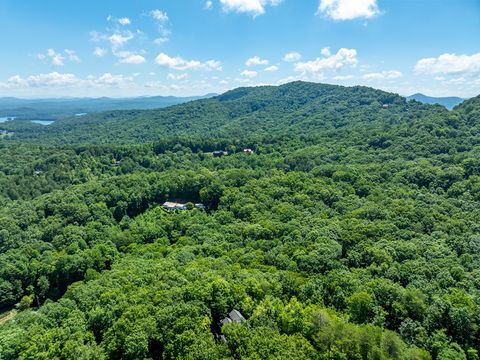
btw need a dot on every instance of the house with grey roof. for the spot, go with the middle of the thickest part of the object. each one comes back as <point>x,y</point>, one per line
<point>233,316</point>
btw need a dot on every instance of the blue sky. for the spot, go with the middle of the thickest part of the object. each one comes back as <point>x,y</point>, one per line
<point>192,47</point>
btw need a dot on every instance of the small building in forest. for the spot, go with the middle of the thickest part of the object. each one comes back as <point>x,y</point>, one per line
<point>233,316</point>
<point>219,153</point>
<point>5,133</point>
<point>248,151</point>
<point>170,205</point>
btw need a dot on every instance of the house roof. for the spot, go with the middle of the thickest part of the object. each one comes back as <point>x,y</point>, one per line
<point>233,316</point>
<point>226,321</point>
<point>169,204</point>
<point>236,316</point>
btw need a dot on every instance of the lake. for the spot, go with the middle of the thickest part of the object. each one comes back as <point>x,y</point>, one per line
<point>42,122</point>
<point>6,118</point>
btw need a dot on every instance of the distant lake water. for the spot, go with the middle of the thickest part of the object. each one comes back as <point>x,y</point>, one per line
<point>42,122</point>
<point>6,118</point>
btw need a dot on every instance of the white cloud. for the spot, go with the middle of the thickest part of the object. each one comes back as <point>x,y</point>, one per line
<point>161,18</point>
<point>72,56</point>
<point>343,77</point>
<point>384,75</point>
<point>156,85</point>
<point>112,80</point>
<point>95,36</point>
<point>130,58</point>
<point>179,63</point>
<point>256,61</point>
<point>213,65</point>
<point>249,74</point>
<point>65,80</point>
<point>15,80</point>
<point>348,9</point>
<point>460,80</point>
<point>159,15</point>
<point>344,57</point>
<point>118,40</point>
<point>124,21</point>
<point>57,58</point>
<point>255,7</point>
<point>241,80</point>
<point>449,64</point>
<point>272,68</point>
<point>177,77</point>
<point>161,40</point>
<point>291,78</point>
<point>56,84</point>
<point>53,79</point>
<point>99,52</point>
<point>292,56</point>
<point>326,51</point>
<point>208,5</point>
<point>164,60</point>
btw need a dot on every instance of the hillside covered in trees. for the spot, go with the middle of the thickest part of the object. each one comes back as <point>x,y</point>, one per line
<point>351,232</point>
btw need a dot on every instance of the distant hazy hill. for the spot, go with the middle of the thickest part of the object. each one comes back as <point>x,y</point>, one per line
<point>448,102</point>
<point>56,108</point>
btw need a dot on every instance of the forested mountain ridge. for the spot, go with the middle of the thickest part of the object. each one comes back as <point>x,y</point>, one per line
<point>296,107</point>
<point>352,232</point>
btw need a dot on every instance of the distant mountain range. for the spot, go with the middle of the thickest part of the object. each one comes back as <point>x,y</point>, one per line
<point>52,109</point>
<point>56,108</point>
<point>448,102</point>
<point>293,109</point>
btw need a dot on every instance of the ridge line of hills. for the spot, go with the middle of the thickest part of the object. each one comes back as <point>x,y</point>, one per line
<point>54,108</point>
<point>267,110</point>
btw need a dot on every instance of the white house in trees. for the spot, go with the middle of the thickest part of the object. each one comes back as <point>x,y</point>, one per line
<point>170,205</point>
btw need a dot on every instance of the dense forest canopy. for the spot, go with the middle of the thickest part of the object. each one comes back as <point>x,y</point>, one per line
<point>351,232</point>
